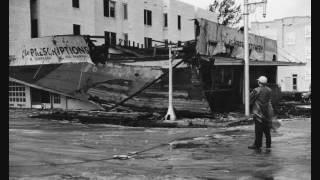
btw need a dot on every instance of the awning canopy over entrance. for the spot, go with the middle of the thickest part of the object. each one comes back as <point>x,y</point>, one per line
<point>226,61</point>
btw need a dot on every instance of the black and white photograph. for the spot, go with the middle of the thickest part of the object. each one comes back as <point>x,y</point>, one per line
<point>159,90</point>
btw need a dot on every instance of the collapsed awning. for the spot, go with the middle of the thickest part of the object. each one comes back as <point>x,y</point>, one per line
<point>226,61</point>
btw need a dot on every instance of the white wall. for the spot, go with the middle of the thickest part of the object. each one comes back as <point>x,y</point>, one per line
<point>295,52</point>
<point>57,17</point>
<point>187,13</point>
<point>19,22</point>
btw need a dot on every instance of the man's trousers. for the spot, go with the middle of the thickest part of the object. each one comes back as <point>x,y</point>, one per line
<point>260,129</point>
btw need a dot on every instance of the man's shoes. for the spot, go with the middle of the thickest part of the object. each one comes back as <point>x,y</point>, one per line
<point>253,147</point>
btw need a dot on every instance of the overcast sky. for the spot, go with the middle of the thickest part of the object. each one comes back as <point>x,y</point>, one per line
<point>275,8</point>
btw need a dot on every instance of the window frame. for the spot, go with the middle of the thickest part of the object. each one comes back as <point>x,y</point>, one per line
<point>34,28</point>
<point>147,17</point>
<point>125,39</point>
<point>75,26</point>
<point>17,93</point>
<point>165,20</point>
<point>147,42</point>
<point>179,22</point>
<point>76,3</point>
<point>112,10</point>
<point>125,11</point>
<point>111,37</point>
<point>294,82</point>
<point>107,8</point>
<point>56,98</point>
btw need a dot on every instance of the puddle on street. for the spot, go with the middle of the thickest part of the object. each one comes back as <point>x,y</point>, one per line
<point>205,153</point>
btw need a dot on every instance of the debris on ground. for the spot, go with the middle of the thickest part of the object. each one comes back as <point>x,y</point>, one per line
<point>122,157</point>
<point>127,117</point>
<point>292,109</point>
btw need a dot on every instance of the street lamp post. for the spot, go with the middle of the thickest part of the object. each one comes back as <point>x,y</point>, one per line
<point>246,58</point>
<point>246,50</point>
<point>170,114</point>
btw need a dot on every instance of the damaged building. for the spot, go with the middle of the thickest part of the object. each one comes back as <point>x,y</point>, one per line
<point>222,50</point>
<point>208,72</point>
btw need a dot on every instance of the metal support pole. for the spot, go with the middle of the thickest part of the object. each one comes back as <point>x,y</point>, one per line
<point>246,58</point>
<point>170,114</point>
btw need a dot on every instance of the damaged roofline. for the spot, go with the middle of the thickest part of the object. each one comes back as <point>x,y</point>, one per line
<point>220,61</point>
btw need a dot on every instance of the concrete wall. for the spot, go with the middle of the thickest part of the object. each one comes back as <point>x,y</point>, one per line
<point>57,17</point>
<point>19,22</point>
<point>293,45</point>
<point>187,13</point>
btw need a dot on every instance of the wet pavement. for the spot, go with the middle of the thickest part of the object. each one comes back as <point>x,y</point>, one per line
<point>48,149</point>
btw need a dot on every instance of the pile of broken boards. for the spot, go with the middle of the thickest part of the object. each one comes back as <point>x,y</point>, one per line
<point>134,119</point>
<point>141,119</point>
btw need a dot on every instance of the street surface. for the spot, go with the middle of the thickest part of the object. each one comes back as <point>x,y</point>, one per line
<point>48,149</point>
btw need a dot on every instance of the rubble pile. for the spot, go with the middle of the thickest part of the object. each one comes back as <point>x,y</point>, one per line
<point>292,109</point>
<point>134,119</point>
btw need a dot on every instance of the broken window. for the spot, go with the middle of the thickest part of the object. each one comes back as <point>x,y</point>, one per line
<point>147,17</point>
<point>75,3</point>
<point>109,8</point>
<point>76,29</point>
<point>147,42</point>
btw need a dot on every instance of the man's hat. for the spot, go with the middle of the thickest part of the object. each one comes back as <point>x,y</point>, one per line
<point>262,79</point>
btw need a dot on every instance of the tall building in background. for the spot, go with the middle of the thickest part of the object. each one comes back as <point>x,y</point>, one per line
<point>293,35</point>
<point>136,20</point>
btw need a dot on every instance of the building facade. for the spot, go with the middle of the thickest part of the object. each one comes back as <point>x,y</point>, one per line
<point>293,35</point>
<point>136,20</point>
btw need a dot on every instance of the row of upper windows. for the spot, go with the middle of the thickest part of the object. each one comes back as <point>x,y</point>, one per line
<point>111,38</point>
<point>110,11</point>
<point>108,8</point>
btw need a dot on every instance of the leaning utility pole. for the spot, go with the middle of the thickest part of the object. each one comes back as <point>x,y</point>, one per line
<point>246,50</point>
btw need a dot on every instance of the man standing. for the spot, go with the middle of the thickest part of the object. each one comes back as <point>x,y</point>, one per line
<point>260,101</point>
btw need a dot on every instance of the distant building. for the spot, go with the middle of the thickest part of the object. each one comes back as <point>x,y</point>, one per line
<point>293,35</point>
<point>139,21</point>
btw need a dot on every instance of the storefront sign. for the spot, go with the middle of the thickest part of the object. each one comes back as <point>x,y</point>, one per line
<point>51,50</point>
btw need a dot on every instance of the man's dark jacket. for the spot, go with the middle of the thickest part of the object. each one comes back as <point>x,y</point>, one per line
<point>260,101</point>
